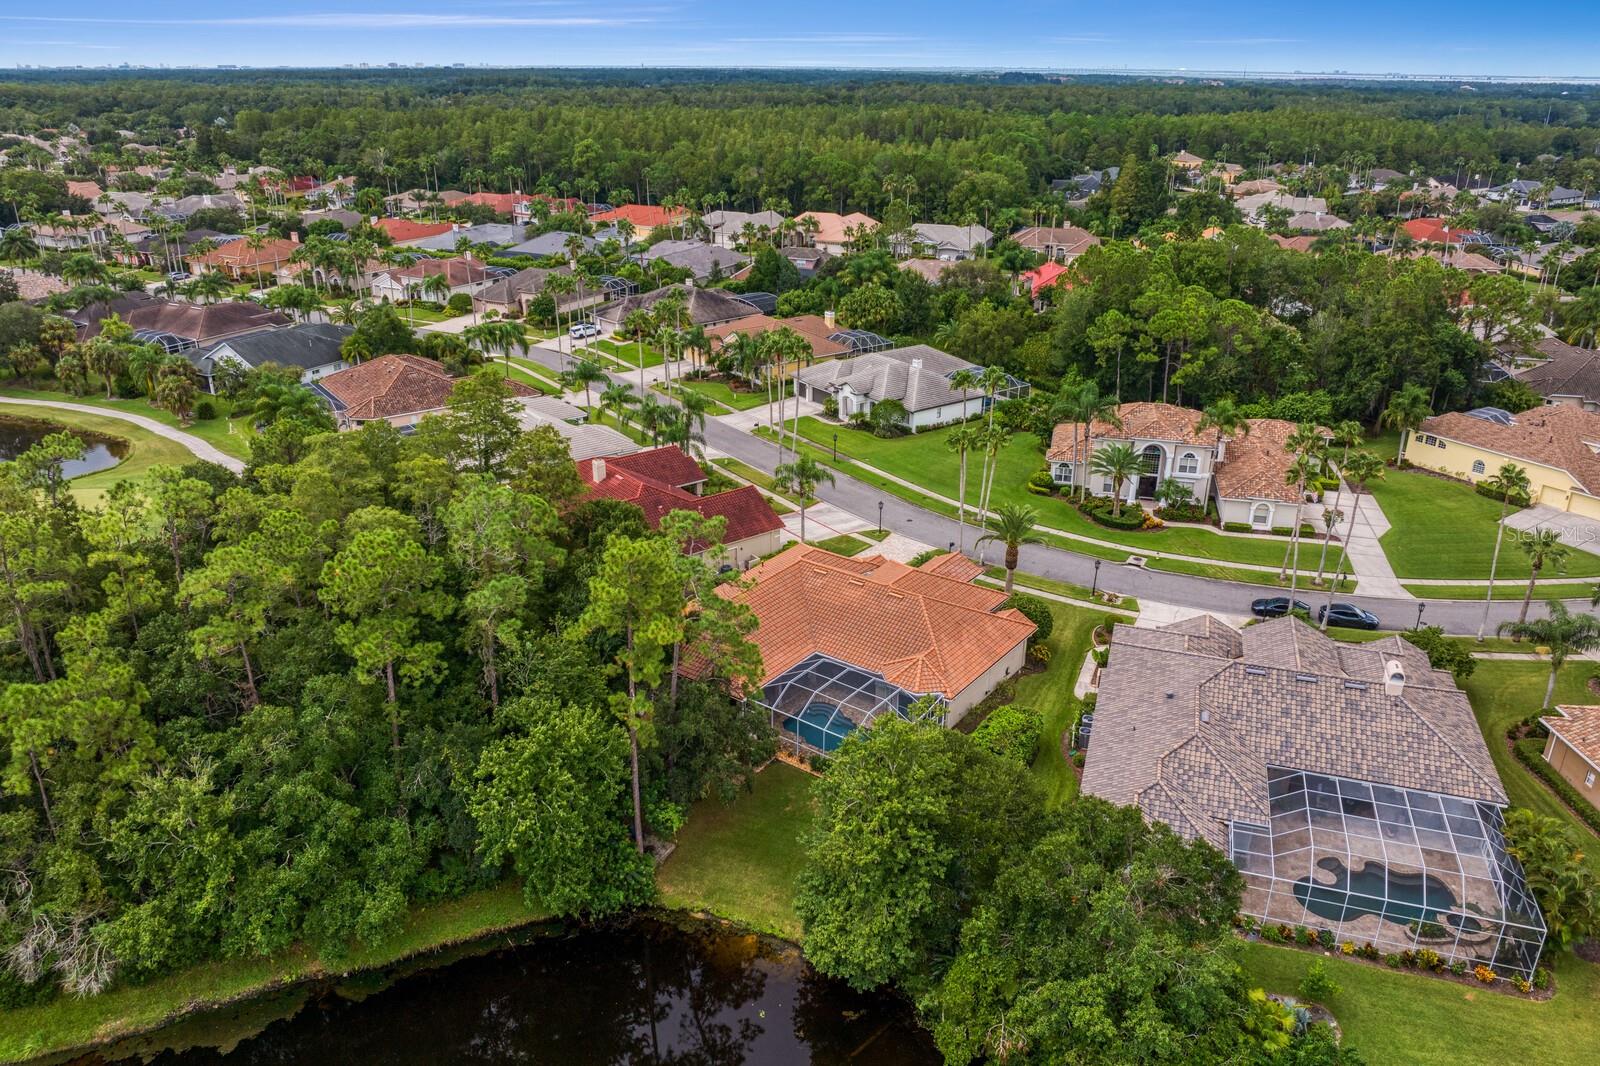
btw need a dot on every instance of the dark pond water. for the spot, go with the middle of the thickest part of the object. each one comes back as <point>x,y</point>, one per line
<point>17,435</point>
<point>648,992</point>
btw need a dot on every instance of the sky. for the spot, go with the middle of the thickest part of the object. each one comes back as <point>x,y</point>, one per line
<point>1364,36</point>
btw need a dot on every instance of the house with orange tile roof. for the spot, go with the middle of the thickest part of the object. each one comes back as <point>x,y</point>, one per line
<point>501,203</point>
<point>661,480</point>
<point>398,389</point>
<point>816,329</point>
<point>833,233</point>
<point>646,218</point>
<point>463,275</point>
<point>405,231</point>
<point>845,640</point>
<point>239,261</point>
<point>1244,473</point>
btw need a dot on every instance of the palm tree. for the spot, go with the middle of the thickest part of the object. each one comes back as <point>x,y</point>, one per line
<point>1331,517</point>
<point>619,400</point>
<point>994,439</point>
<point>586,372</point>
<point>962,440</point>
<point>1564,633</point>
<point>208,288</point>
<point>1347,434</point>
<point>1224,416</point>
<point>1359,469</point>
<point>1119,462</point>
<point>802,477</point>
<point>993,379</point>
<point>637,323</point>
<point>18,245</point>
<point>1085,406</point>
<point>82,268</point>
<point>1306,445</point>
<point>1014,525</point>
<point>1543,548</point>
<point>1510,480</point>
<point>695,406</point>
<point>1406,411</point>
<point>437,286</point>
<point>966,379</point>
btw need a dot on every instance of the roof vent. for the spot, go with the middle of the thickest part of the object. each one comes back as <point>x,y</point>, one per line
<point>1205,716</point>
<point>1172,695</point>
<point>1394,678</point>
<point>916,364</point>
<point>1310,679</point>
<point>1360,686</point>
<point>1256,671</point>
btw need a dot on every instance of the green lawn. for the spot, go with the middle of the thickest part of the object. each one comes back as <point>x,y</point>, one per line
<point>519,373</point>
<point>1024,582</point>
<point>145,449</point>
<point>757,477</point>
<point>740,860</point>
<point>1250,577</point>
<point>1505,691</point>
<point>1443,529</point>
<point>230,435</point>
<point>1050,693</point>
<point>843,544</point>
<point>924,459</point>
<point>727,397</point>
<point>1514,590</point>
<point>68,1022</point>
<point>1401,1019</point>
<point>627,354</point>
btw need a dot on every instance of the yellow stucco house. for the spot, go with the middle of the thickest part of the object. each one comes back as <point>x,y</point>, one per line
<point>1558,446</point>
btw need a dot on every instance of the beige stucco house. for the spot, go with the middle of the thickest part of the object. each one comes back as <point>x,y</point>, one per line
<point>1558,445</point>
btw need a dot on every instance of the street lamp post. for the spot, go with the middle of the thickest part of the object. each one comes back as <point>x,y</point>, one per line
<point>1095,591</point>
<point>1420,608</point>
<point>836,447</point>
<point>880,504</point>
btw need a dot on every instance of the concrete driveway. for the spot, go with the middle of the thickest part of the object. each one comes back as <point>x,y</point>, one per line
<point>1575,530</point>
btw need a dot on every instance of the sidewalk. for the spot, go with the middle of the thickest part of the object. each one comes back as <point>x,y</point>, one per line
<point>1361,533</point>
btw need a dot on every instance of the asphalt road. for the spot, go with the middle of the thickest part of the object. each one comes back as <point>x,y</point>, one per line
<point>1226,597</point>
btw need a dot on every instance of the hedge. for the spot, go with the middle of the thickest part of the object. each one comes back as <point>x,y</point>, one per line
<point>1530,753</point>
<point>1484,488</point>
<point>1012,733</point>
<point>1099,510</point>
<point>1036,611</point>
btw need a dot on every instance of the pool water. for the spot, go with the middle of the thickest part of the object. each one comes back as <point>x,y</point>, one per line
<point>822,725</point>
<point>1395,897</point>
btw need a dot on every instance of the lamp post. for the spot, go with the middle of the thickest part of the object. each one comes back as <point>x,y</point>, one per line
<point>880,505</point>
<point>836,448</point>
<point>1420,608</point>
<point>1093,592</point>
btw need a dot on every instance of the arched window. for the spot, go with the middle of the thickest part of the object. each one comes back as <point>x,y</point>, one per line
<point>1261,514</point>
<point>1477,466</point>
<point>1150,460</point>
<point>1188,463</point>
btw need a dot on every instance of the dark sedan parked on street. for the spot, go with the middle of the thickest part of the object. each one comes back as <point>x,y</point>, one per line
<point>1349,616</point>
<point>1277,607</point>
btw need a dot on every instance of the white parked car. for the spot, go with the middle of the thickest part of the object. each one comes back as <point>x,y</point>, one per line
<point>579,330</point>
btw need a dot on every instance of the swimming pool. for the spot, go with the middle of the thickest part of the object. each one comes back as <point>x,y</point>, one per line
<point>1394,896</point>
<point>822,725</point>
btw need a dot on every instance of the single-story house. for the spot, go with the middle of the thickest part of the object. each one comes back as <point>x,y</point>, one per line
<point>1349,783</point>
<point>1080,187</point>
<point>524,211</point>
<point>1062,244</point>
<point>552,243</point>
<point>494,234</point>
<point>309,347</point>
<point>1253,208</point>
<point>398,389</point>
<point>1299,243</point>
<point>1573,749</point>
<point>239,261</point>
<point>833,232</point>
<point>88,190</point>
<point>585,440</point>
<point>1524,192</point>
<point>32,285</point>
<point>845,640</point>
<point>345,217</point>
<point>463,274</point>
<point>1244,473</point>
<point>501,203</point>
<point>512,294</point>
<point>662,480</point>
<point>1044,276</point>
<point>418,200</point>
<point>166,253</point>
<point>184,327</point>
<point>180,209</point>
<point>728,227</point>
<point>936,240</point>
<point>405,232</point>
<point>805,258</point>
<point>645,218</point>
<point>703,307</point>
<point>917,376</point>
<point>1434,231</point>
<point>702,260</point>
<point>818,331</point>
<point>1315,222</point>
<point>1569,375</point>
<point>1555,444</point>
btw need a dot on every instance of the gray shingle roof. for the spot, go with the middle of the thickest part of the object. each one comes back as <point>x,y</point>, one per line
<point>1187,722</point>
<point>890,375</point>
<point>307,345</point>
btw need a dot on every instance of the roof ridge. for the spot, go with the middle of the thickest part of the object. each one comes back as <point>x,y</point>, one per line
<point>1494,782</point>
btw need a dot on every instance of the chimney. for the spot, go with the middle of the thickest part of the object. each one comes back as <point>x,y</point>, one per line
<point>1394,678</point>
<point>598,469</point>
<point>294,236</point>
<point>827,317</point>
<point>916,364</point>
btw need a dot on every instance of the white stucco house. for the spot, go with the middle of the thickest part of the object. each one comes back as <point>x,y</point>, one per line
<point>918,376</point>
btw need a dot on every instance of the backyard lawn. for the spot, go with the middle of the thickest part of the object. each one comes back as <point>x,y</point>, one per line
<point>1400,1019</point>
<point>145,449</point>
<point>925,460</point>
<point>1050,693</point>
<point>740,860</point>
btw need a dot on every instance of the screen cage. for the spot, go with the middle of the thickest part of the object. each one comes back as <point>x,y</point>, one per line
<point>820,700</point>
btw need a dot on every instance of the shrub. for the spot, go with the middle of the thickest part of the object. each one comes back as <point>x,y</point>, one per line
<point>1347,948</point>
<point>1369,951</point>
<point>1484,974</point>
<point>1272,933</point>
<point>1102,511</point>
<point>830,407</point>
<point>1036,611</point>
<point>1282,531</point>
<point>922,557</point>
<point>1237,527</point>
<point>1325,938</point>
<point>1529,753</point>
<point>1039,653</point>
<point>1522,985</point>
<point>1188,512</point>
<point>1484,488</point>
<point>460,303</point>
<point>1458,967</point>
<point>1443,653</point>
<point>205,410</point>
<point>1317,986</point>
<point>1308,937</point>
<point>1392,961</point>
<point>1042,480</point>
<point>1541,979</point>
<point>1429,959</point>
<point>1012,733</point>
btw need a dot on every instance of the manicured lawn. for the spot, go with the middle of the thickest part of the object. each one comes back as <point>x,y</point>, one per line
<point>924,459</point>
<point>145,449</point>
<point>69,1022</point>
<point>1443,529</point>
<point>1505,691</point>
<point>627,354</point>
<point>1024,582</point>
<point>1250,577</point>
<point>1400,1019</point>
<point>230,435</point>
<point>728,397</point>
<point>740,860</point>
<point>1511,590</point>
<point>1050,693</point>
<point>519,373</point>
<point>843,544</point>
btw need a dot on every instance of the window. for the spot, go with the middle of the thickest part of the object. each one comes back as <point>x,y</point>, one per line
<point>1061,474</point>
<point>1261,515</point>
<point>1477,466</point>
<point>1188,463</point>
<point>1106,486</point>
<point>1588,779</point>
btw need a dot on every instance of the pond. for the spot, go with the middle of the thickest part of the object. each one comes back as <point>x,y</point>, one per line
<point>17,435</point>
<point>648,991</point>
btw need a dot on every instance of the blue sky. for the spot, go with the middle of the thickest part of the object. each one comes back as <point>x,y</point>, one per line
<point>1459,37</point>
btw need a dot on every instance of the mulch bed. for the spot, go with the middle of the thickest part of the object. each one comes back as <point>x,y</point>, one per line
<point>1587,950</point>
<point>1502,986</point>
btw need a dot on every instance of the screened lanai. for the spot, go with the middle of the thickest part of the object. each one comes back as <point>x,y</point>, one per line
<point>1396,868</point>
<point>820,700</point>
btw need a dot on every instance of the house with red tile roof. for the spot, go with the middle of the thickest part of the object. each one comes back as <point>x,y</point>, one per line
<point>662,480</point>
<point>646,218</point>
<point>845,640</point>
<point>398,389</point>
<point>502,203</point>
<point>463,275</point>
<point>404,231</point>
<point>1043,277</point>
<point>241,262</point>
<point>1433,231</point>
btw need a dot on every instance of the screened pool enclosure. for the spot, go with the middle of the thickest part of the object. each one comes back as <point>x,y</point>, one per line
<point>819,701</point>
<point>1396,868</point>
